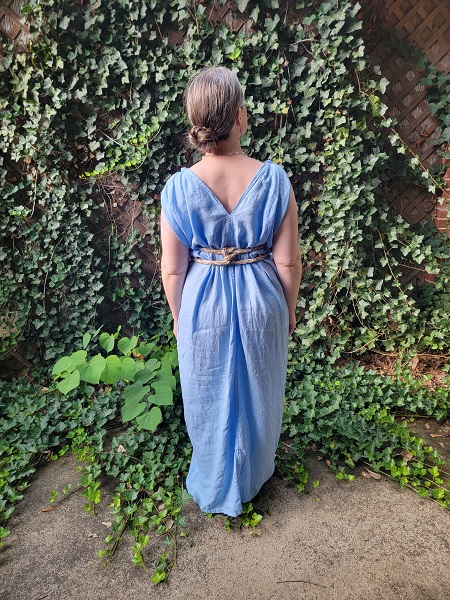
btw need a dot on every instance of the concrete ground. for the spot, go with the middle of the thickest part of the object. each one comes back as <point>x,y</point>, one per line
<point>365,540</point>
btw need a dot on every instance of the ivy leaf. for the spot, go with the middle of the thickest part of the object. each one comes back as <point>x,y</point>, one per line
<point>242,5</point>
<point>112,371</point>
<point>150,420</point>
<point>158,577</point>
<point>64,23</point>
<point>69,383</point>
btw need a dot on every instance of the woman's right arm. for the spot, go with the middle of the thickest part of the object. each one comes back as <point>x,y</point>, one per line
<point>174,266</point>
<point>287,259</point>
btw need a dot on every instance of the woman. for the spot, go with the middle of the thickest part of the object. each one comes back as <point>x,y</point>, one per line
<point>231,271</point>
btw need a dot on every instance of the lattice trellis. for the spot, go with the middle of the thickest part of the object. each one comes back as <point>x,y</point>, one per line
<point>426,24</point>
<point>10,25</point>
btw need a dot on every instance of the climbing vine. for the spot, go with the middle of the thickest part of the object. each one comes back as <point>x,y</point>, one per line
<point>98,93</point>
<point>91,112</point>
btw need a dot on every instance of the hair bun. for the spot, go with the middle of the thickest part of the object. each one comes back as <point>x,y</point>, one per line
<point>203,139</point>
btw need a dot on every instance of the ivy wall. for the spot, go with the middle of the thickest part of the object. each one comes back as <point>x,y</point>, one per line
<point>91,116</point>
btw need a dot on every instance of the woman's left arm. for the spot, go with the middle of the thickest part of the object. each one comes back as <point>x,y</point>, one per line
<point>174,266</point>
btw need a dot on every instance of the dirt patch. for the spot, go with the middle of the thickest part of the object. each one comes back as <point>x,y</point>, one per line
<point>427,367</point>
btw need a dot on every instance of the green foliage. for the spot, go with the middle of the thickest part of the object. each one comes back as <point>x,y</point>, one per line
<point>130,370</point>
<point>350,415</point>
<point>99,93</point>
<point>149,465</point>
<point>91,115</point>
<point>37,423</point>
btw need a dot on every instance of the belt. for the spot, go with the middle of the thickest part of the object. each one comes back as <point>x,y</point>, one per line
<point>229,255</point>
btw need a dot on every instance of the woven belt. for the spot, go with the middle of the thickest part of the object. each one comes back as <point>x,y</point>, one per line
<point>229,254</point>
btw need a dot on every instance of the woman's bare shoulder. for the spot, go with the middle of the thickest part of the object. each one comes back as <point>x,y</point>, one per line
<point>221,162</point>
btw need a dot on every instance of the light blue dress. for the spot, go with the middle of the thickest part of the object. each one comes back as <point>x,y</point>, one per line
<point>232,337</point>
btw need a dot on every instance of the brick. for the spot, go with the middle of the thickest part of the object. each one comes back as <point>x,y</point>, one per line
<point>442,224</point>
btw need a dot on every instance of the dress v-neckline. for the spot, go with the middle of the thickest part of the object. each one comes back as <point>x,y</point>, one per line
<point>244,193</point>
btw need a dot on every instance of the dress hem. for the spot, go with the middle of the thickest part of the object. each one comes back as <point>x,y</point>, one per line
<point>225,511</point>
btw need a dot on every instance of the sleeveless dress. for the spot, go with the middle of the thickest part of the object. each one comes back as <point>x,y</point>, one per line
<point>232,337</point>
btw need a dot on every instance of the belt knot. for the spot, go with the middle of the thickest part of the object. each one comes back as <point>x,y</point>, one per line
<point>229,254</point>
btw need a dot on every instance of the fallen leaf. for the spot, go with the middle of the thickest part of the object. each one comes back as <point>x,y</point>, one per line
<point>45,389</point>
<point>92,535</point>
<point>169,525</point>
<point>107,523</point>
<point>427,425</point>
<point>371,475</point>
<point>328,462</point>
<point>407,455</point>
<point>314,447</point>
<point>441,444</point>
<point>320,458</point>
<point>414,362</point>
<point>121,449</point>
<point>436,435</point>
<point>49,508</point>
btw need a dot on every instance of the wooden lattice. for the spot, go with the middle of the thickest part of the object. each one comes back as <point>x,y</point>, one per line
<point>425,23</point>
<point>10,25</point>
<point>408,25</point>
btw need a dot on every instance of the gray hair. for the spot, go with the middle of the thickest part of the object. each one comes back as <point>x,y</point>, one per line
<point>212,100</point>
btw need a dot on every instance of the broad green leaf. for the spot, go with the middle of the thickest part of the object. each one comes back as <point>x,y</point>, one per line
<point>144,349</point>
<point>140,365</point>
<point>152,364</point>
<point>69,383</point>
<point>135,392</point>
<point>128,368</point>
<point>112,371</point>
<point>125,344</point>
<point>106,341</point>
<point>173,358</point>
<point>150,420</point>
<point>77,358</point>
<point>92,371</point>
<point>86,339</point>
<point>165,376</point>
<point>145,375</point>
<point>163,394</point>
<point>61,365</point>
<point>130,411</point>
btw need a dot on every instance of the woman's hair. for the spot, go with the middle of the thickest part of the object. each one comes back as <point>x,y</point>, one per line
<point>212,99</point>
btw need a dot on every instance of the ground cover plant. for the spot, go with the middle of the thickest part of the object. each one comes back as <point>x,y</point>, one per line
<point>97,94</point>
